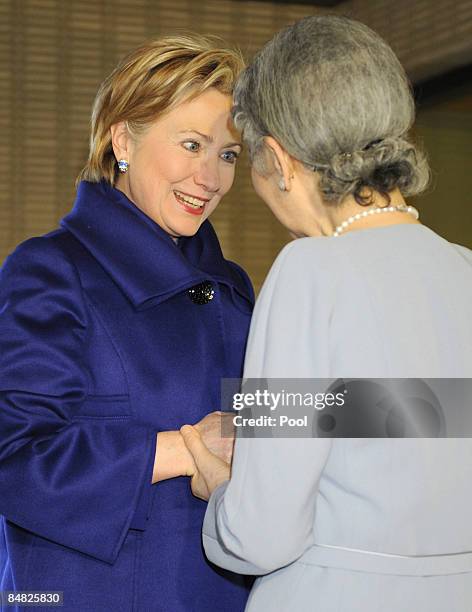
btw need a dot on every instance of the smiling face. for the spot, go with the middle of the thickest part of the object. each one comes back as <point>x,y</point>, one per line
<point>182,166</point>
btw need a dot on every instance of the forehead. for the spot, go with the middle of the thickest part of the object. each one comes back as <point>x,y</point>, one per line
<point>208,113</point>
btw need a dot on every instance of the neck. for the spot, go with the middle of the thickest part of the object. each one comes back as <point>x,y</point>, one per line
<point>351,208</point>
<point>327,218</point>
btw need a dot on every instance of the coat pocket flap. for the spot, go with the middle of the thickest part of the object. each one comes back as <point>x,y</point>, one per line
<point>104,406</point>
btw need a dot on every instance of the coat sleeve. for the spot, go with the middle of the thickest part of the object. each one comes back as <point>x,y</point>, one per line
<point>263,518</point>
<point>77,482</point>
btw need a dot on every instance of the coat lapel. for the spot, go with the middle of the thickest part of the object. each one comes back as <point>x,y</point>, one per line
<point>141,258</point>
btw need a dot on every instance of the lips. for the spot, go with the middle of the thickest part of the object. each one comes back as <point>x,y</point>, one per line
<point>191,204</point>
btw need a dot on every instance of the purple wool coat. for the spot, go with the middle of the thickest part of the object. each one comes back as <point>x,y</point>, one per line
<point>101,347</point>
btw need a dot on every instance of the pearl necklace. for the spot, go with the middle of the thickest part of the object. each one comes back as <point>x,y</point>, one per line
<point>373,211</point>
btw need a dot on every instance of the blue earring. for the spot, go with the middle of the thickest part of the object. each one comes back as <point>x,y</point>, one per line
<point>123,165</point>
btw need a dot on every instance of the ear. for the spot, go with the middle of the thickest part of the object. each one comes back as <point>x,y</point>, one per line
<point>120,140</point>
<point>283,161</point>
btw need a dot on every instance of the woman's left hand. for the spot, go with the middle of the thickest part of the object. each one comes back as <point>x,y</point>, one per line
<point>211,471</point>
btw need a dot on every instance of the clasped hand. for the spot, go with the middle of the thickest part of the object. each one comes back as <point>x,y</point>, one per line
<point>211,453</point>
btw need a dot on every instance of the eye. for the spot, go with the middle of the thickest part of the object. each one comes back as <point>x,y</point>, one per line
<point>191,145</point>
<point>230,156</point>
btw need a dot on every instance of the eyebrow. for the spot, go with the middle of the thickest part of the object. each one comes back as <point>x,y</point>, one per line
<point>210,139</point>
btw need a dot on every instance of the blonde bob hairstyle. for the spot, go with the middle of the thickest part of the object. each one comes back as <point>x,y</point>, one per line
<point>152,80</point>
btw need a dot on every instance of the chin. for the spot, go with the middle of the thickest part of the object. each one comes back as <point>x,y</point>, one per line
<point>179,230</point>
<point>179,222</point>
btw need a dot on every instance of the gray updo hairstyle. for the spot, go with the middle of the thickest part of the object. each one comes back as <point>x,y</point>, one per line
<point>335,96</point>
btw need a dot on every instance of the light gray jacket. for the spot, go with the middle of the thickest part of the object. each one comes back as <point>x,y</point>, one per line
<point>349,525</point>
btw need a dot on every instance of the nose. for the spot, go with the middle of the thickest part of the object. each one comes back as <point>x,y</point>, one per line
<point>207,174</point>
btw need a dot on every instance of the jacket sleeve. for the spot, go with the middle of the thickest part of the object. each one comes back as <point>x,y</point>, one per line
<point>263,518</point>
<point>74,481</point>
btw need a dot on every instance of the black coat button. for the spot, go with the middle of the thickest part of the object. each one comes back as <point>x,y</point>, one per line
<point>202,293</point>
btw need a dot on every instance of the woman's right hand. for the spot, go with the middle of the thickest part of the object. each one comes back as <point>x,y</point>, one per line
<point>210,471</point>
<point>217,433</point>
<point>172,457</point>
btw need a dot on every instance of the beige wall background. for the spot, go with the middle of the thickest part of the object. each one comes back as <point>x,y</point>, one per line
<point>54,54</point>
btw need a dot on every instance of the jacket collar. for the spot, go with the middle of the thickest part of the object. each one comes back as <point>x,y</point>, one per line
<point>138,254</point>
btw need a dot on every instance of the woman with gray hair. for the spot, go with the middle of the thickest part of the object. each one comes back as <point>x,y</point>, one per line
<point>366,292</point>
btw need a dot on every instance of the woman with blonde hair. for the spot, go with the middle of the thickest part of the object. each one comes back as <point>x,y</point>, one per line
<point>350,521</point>
<point>114,331</point>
